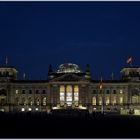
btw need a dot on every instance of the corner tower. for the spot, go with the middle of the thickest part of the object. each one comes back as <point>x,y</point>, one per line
<point>8,73</point>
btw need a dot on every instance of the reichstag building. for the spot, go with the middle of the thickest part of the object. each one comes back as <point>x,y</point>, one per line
<point>68,87</point>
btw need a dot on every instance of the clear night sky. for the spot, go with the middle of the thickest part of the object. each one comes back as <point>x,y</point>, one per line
<point>102,34</point>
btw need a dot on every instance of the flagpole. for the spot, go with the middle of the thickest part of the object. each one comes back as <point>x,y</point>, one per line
<point>112,76</point>
<point>6,61</point>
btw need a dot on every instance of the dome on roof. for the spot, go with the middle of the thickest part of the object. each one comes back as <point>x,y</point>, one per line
<point>68,68</point>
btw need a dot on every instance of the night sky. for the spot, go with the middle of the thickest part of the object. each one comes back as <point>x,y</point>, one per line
<point>102,34</point>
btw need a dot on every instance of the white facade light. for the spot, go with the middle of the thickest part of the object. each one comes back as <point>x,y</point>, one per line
<point>29,109</point>
<point>94,108</point>
<point>22,109</point>
<point>36,109</point>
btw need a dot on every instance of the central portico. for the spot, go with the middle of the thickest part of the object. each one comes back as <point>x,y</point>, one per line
<point>68,80</point>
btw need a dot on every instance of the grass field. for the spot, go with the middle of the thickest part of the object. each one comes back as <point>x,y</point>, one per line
<point>51,126</point>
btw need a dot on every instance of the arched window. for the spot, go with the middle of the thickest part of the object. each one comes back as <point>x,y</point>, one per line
<point>23,102</point>
<point>30,102</point>
<point>44,101</point>
<point>76,93</point>
<point>114,100</point>
<point>69,95</point>
<point>107,101</point>
<point>135,99</point>
<point>93,100</point>
<point>121,100</point>
<point>100,100</point>
<point>62,93</point>
<point>37,101</point>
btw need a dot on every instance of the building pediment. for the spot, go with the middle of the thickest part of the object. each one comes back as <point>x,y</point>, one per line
<point>68,78</point>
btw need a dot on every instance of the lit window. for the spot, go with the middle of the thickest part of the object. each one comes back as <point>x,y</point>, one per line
<point>69,95</point>
<point>31,103</point>
<point>121,91</point>
<point>17,91</point>
<point>62,93</point>
<point>44,101</point>
<point>121,100</point>
<point>62,96</point>
<point>107,101</point>
<point>76,93</point>
<point>135,99</point>
<point>94,101</point>
<point>100,100</point>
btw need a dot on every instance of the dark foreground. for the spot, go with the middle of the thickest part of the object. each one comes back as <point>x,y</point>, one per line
<point>50,126</point>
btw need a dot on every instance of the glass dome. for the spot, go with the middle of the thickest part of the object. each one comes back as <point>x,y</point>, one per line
<point>68,68</point>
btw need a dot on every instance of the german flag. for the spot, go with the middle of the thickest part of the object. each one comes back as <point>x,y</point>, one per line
<point>129,60</point>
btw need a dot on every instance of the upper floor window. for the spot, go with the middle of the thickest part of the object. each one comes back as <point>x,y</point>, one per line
<point>3,92</point>
<point>114,91</point>
<point>7,73</point>
<point>94,91</point>
<point>23,91</point>
<point>37,91</point>
<point>107,91</point>
<point>30,91</point>
<point>93,100</point>
<point>44,91</point>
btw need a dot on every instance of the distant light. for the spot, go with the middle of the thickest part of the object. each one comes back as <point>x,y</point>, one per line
<point>23,109</point>
<point>81,107</point>
<point>54,107</point>
<point>2,110</point>
<point>29,109</point>
<point>36,109</point>
<point>94,108</point>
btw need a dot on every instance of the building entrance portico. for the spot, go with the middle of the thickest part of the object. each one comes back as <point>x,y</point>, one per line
<point>69,95</point>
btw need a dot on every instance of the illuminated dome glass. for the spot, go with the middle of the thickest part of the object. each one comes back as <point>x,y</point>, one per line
<point>68,68</point>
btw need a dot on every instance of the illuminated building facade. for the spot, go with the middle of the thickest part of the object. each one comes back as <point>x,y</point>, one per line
<point>69,87</point>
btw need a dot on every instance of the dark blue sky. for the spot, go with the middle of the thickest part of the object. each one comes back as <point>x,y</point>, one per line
<point>102,34</point>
